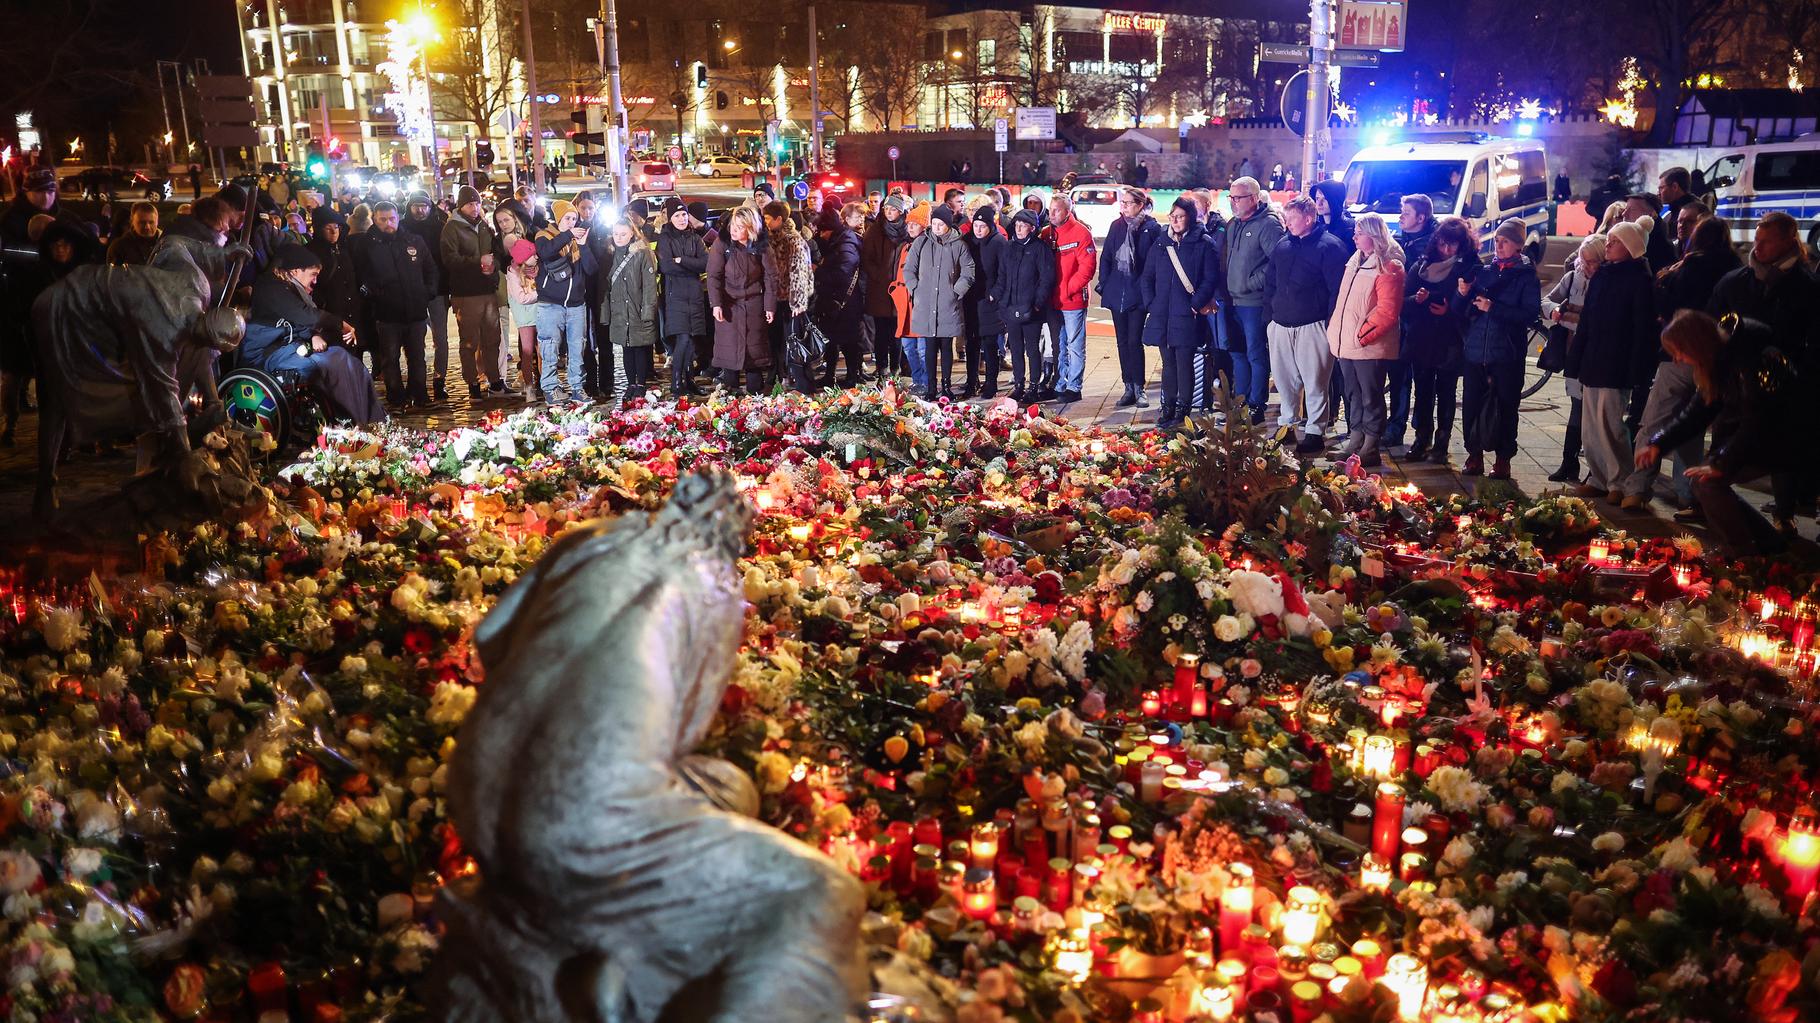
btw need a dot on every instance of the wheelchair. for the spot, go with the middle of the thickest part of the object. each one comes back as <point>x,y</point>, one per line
<point>279,404</point>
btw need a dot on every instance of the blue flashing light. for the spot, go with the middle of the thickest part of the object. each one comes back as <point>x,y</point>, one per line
<point>1526,128</point>
<point>1380,137</point>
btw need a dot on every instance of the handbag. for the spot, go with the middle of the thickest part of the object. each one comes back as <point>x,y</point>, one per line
<point>1553,357</point>
<point>807,347</point>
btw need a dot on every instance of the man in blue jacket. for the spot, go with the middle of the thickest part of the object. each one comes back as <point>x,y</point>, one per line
<point>1301,285</point>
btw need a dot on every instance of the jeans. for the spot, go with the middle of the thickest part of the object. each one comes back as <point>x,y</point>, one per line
<point>1251,359</point>
<point>439,334</point>
<point>1364,402</point>
<point>1436,397</point>
<point>1608,452</point>
<point>557,324</point>
<point>1400,378</point>
<point>1673,390</point>
<point>1071,351</point>
<point>982,363</point>
<point>1303,367</point>
<point>912,347</point>
<point>1026,342</point>
<point>1128,330</point>
<point>394,339</point>
<point>1498,383</point>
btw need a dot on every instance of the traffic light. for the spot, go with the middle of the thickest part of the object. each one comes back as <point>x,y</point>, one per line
<point>315,165</point>
<point>701,76</point>
<point>483,154</point>
<point>720,101</point>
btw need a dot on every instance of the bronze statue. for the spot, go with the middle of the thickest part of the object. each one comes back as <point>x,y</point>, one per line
<point>123,347</point>
<point>619,885</point>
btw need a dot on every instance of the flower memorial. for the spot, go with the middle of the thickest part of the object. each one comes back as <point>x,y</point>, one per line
<point>1111,726</point>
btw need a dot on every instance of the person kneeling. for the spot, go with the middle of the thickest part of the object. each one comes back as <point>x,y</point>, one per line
<point>286,331</point>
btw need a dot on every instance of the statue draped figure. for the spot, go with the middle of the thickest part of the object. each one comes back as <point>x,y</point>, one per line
<point>623,879</point>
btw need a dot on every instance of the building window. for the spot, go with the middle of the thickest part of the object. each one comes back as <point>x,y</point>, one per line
<point>1078,47</point>
<point>988,54</point>
<point>932,46</point>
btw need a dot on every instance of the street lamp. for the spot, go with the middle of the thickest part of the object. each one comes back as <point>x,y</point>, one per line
<point>421,31</point>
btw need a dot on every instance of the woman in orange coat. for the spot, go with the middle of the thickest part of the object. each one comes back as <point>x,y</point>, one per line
<point>1364,332</point>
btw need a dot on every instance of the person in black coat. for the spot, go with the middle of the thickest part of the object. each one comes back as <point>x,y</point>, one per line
<point>287,331</point>
<point>1127,253</point>
<point>1432,334</point>
<point>1758,402</point>
<point>840,289</point>
<point>1026,285</point>
<point>397,281</point>
<point>1176,294</point>
<point>1611,352</point>
<point>1330,205</point>
<point>426,220</point>
<point>985,327</point>
<point>1498,304</point>
<point>681,261</point>
<point>338,288</point>
<point>1301,287</point>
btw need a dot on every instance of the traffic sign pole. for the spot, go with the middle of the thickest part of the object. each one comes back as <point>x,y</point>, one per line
<point>1320,37</point>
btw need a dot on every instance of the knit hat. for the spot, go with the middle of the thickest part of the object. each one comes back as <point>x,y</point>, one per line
<point>945,215</point>
<point>1513,229</point>
<point>671,206</point>
<point>985,212</point>
<point>765,187</point>
<point>295,257</point>
<point>522,250</point>
<point>1634,235</point>
<point>641,207</point>
<point>900,203</point>
<point>463,195</point>
<point>828,219</point>
<point>559,208</point>
<point>1026,217</point>
<point>233,195</point>
<point>323,216</point>
<point>41,179</point>
<point>919,215</point>
<point>420,196</point>
<point>698,210</point>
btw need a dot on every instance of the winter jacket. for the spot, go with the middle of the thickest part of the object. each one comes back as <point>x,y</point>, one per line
<point>1336,223</point>
<point>1502,334</point>
<point>1119,291</point>
<point>1367,318</point>
<point>682,259</point>
<point>628,304</point>
<point>1074,263</point>
<point>430,229</point>
<point>879,256</point>
<point>338,286</point>
<point>1415,243</point>
<point>1785,297</point>
<point>840,295</point>
<point>1616,345</point>
<point>1173,318</point>
<point>132,250</point>
<point>463,243</point>
<point>743,285</point>
<point>1433,339</point>
<point>900,295</point>
<point>1762,405</point>
<point>1249,243</point>
<point>276,300</point>
<point>937,276</point>
<point>397,277</point>
<point>981,304</point>
<point>795,276</point>
<point>1569,296</point>
<point>1302,280</point>
<point>1026,278</point>
<point>564,266</point>
<point>1690,283</point>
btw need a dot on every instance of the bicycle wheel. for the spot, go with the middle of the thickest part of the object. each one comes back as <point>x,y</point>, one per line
<point>1534,376</point>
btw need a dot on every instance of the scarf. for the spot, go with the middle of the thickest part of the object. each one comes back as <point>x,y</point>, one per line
<point>1770,273</point>
<point>1434,272</point>
<point>1127,253</point>
<point>894,229</point>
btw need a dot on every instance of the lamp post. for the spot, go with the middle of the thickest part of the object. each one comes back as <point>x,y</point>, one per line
<point>423,32</point>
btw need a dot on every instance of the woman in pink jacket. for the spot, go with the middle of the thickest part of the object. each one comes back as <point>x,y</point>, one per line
<point>1364,331</point>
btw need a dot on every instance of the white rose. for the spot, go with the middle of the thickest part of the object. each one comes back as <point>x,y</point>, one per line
<point>1227,629</point>
<point>1609,842</point>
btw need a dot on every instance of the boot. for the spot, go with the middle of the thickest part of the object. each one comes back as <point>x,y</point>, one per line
<point>1128,399</point>
<point>1475,465</point>
<point>1419,450</point>
<point>1500,469</point>
<point>1137,392</point>
<point>1569,472</point>
<point>1437,455</point>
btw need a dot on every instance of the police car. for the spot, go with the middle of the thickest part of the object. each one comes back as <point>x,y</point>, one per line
<point>1484,181</point>
<point>1749,181</point>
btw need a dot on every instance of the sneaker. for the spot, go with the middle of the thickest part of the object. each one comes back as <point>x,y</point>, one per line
<point>497,388</point>
<point>1438,456</point>
<point>1142,402</point>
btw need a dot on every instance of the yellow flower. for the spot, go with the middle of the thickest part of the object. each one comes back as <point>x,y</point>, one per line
<point>1322,638</point>
<point>1338,658</point>
<point>1611,616</point>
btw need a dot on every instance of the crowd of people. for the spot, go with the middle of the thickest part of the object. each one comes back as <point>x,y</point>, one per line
<point>1404,328</point>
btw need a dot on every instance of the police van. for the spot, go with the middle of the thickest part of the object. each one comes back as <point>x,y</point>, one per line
<point>1749,181</point>
<point>1483,180</point>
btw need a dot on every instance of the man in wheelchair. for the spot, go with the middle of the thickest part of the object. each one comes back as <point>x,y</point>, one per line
<point>285,332</point>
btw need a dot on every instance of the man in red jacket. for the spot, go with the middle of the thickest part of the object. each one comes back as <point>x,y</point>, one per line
<point>1075,262</point>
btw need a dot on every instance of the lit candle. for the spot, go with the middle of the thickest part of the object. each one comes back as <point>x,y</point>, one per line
<point>1152,704</point>
<point>800,532</point>
<point>1072,954</point>
<point>1380,757</point>
<point>1374,873</point>
<point>1598,550</point>
<point>1407,979</point>
<point>984,845</point>
<point>1214,1000</point>
<point>979,893</point>
<point>1302,916</point>
<point>1370,955</point>
<point>1187,672</point>
<point>1197,705</point>
<point>1012,617</point>
<point>1684,575</point>
<point>1387,821</point>
<point>1150,788</point>
<point>1235,912</point>
<point>1801,855</point>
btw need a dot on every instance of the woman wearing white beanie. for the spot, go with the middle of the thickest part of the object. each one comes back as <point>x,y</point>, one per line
<point>1614,350</point>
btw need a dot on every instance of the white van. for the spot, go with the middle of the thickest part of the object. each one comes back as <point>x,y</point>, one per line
<point>1750,181</point>
<point>1482,180</point>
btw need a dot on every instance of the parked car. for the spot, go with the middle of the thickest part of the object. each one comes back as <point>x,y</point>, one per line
<point>1097,206</point>
<point>654,177</point>
<point>121,182</point>
<point>721,165</point>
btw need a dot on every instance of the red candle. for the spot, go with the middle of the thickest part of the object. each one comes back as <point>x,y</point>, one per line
<point>1801,856</point>
<point>929,832</point>
<point>266,983</point>
<point>1387,822</point>
<point>1187,671</point>
<point>1197,706</point>
<point>1152,704</point>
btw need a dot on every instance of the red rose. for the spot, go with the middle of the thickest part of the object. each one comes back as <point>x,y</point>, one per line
<point>1616,983</point>
<point>1049,587</point>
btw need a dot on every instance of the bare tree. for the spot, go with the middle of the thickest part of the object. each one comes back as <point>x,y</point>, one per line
<point>474,62</point>
<point>892,70</point>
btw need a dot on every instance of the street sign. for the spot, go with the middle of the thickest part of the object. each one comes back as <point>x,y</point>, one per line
<point>893,153</point>
<point>1035,123</point>
<point>1372,24</point>
<point>1182,130</point>
<point>1294,104</point>
<point>799,190</point>
<point>1357,58</point>
<point>1283,53</point>
<point>675,153</point>
<point>229,111</point>
<point>508,120</point>
<point>999,134</point>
